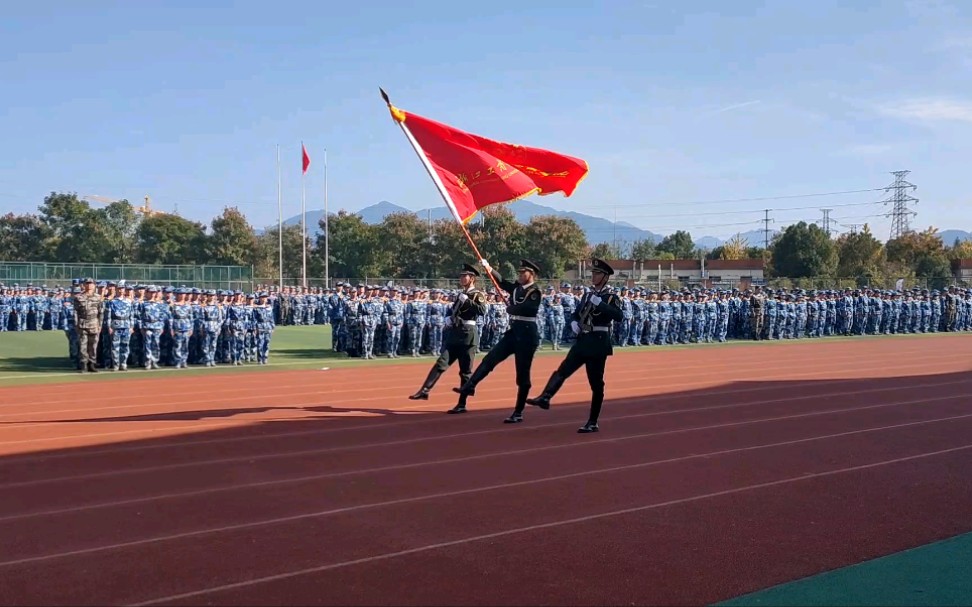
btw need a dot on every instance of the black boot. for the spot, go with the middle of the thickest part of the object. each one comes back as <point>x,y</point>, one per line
<point>469,388</point>
<point>460,406</point>
<point>591,426</point>
<point>430,381</point>
<point>92,368</point>
<point>521,395</point>
<point>553,386</point>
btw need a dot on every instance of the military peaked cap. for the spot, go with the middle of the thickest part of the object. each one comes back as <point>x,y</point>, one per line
<point>468,269</point>
<point>526,264</point>
<point>599,265</point>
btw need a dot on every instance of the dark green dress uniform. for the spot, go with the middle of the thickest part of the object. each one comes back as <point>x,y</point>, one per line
<point>590,350</point>
<point>521,341</point>
<point>461,338</point>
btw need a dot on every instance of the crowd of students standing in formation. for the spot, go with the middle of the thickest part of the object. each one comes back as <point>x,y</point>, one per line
<point>370,320</point>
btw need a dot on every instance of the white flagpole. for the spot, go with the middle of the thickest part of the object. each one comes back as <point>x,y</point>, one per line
<point>327,231</point>
<point>303,220</point>
<point>279,223</point>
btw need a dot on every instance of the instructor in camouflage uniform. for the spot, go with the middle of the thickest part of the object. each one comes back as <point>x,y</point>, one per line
<point>88,311</point>
<point>757,303</point>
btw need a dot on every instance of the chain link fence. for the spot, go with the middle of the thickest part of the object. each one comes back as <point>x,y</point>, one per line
<point>61,274</point>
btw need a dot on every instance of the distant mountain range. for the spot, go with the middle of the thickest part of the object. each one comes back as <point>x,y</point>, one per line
<point>597,229</point>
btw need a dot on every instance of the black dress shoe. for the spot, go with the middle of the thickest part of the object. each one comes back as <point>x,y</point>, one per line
<point>541,401</point>
<point>469,392</point>
<point>420,395</point>
<point>516,418</point>
<point>456,409</point>
<point>587,428</point>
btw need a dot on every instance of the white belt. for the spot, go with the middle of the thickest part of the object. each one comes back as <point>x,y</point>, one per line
<point>601,329</point>
<point>469,322</point>
<point>523,318</point>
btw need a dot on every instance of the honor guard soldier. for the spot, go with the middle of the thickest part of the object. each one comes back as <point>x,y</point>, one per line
<point>461,338</point>
<point>591,323</point>
<point>521,340</point>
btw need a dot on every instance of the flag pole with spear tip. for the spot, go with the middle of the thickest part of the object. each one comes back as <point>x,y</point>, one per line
<point>399,118</point>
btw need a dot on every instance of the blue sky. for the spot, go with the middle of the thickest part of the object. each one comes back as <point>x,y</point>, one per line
<point>670,103</point>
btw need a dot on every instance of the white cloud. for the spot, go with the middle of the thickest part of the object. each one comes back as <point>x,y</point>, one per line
<point>930,110</point>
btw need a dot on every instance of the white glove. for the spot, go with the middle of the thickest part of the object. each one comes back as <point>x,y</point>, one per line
<point>575,327</point>
<point>485,265</point>
<point>595,300</point>
<point>463,297</point>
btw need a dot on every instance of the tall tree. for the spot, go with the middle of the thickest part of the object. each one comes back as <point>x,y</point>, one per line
<point>500,238</point>
<point>960,249</point>
<point>735,248</point>
<point>605,251</point>
<point>859,254</point>
<point>804,250</point>
<point>232,241</point>
<point>404,242</point>
<point>643,249</point>
<point>679,244</point>
<point>269,254</point>
<point>356,249</point>
<point>452,250</point>
<point>22,238</point>
<point>555,243</point>
<point>63,213</point>
<point>170,239</point>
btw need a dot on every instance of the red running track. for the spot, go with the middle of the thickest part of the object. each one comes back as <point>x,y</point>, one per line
<point>718,471</point>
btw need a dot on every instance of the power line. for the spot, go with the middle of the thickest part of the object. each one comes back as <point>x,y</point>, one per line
<point>759,199</point>
<point>743,212</point>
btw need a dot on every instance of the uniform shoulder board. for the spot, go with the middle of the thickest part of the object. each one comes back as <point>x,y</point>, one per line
<point>479,296</point>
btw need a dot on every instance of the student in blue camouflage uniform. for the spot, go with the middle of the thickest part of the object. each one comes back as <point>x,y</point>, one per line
<point>554,311</point>
<point>637,317</point>
<point>417,314</point>
<point>181,328</point>
<point>436,310</point>
<point>336,309</point>
<point>6,307</point>
<point>120,313</point>
<point>371,310</point>
<point>395,318</point>
<point>500,321</point>
<point>237,321</point>
<point>568,302</point>
<point>263,327</point>
<point>211,322</point>
<point>154,315</point>
<point>70,330</point>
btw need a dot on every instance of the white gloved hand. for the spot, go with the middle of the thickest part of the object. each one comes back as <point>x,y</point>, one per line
<point>463,297</point>
<point>575,327</point>
<point>485,265</point>
<point>595,300</point>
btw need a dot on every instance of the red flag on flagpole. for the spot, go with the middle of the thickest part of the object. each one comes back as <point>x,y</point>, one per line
<point>477,172</point>
<point>306,157</point>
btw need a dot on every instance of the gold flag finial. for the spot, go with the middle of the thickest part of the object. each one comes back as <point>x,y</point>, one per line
<point>396,114</point>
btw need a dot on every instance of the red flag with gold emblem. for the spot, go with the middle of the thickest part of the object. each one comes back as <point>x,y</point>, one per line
<point>477,172</point>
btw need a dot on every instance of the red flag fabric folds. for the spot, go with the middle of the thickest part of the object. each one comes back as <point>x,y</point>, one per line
<point>478,172</point>
<point>306,157</point>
